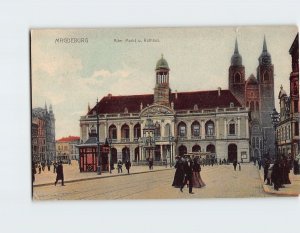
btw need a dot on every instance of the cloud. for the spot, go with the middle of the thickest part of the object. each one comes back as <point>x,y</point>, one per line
<point>124,73</point>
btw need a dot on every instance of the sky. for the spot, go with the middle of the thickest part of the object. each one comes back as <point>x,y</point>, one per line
<point>72,75</point>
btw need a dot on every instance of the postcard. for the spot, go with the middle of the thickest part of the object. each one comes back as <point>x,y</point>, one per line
<point>165,113</point>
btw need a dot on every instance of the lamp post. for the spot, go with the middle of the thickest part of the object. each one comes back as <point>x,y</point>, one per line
<point>275,117</point>
<point>110,155</point>
<point>98,143</point>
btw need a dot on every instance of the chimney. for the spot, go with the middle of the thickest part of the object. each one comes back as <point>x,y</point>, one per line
<point>109,96</point>
<point>176,95</point>
<point>219,91</point>
<point>141,106</point>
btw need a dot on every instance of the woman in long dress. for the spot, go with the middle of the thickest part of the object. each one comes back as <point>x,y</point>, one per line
<point>179,173</point>
<point>197,180</point>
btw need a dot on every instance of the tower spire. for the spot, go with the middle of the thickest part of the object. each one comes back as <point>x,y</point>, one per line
<point>236,48</point>
<point>265,49</point>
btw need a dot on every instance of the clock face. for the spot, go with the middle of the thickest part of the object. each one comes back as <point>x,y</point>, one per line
<point>265,60</point>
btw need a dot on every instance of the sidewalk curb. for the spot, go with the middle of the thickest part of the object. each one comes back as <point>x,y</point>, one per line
<point>99,177</point>
<point>275,193</point>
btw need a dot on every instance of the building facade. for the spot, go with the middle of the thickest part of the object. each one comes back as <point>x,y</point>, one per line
<point>257,94</point>
<point>46,133</point>
<point>206,121</point>
<point>287,130</point>
<point>66,148</point>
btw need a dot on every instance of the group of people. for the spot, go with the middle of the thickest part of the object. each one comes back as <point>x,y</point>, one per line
<point>58,169</point>
<point>277,174</point>
<point>187,173</point>
<point>120,165</point>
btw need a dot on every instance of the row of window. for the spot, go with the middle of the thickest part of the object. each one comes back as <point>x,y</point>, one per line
<point>181,130</point>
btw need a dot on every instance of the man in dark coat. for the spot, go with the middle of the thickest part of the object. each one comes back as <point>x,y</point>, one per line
<point>59,174</point>
<point>188,172</point>
<point>276,176</point>
<point>234,164</point>
<point>127,165</point>
<point>266,168</point>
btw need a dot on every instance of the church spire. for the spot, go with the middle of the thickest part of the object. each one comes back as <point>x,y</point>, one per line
<point>236,59</point>
<point>236,48</point>
<point>46,106</point>
<point>265,57</point>
<point>265,49</point>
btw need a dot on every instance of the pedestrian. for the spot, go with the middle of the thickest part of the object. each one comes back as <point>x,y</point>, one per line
<point>150,164</point>
<point>188,175</point>
<point>40,168</point>
<point>119,165</point>
<point>179,173</point>
<point>240,168</point>
<point>234,164</point>
<point>275,176</point>
<point>266,169</point>
<point>259,164</point>
<point>269,175</point>
<point>197,181</point>
<point>54,167</point>
<point>48,166</point>
<point>296,166</point>
<point>33,172</point>
<point>59,173</point>
<point>127,165</point>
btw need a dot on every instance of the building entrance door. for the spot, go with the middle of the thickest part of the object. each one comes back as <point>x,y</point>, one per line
<point>232,153</point>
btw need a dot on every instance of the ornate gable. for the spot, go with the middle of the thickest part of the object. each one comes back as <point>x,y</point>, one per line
<point>155,110</point>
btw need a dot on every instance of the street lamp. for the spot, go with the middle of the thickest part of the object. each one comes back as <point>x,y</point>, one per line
<point>98,143</point>
<point>275,117</point>
<point>110,155</point>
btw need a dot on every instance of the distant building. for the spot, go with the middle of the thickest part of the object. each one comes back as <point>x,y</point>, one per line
<point>66,148</point>
<point>46,132</point>
<point>287,130</point>
<point>34,143</point>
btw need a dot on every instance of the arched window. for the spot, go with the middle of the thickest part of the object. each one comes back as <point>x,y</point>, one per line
<point>137,131</point>
<point>93,130</point>
<point>125,132</point>
<point>112,132</point>
<point>211,148</point>
<point>237,77</point>
<point>266,77</point>
<point>168,130</point>
<point>157,130</point>
<point>196,148</point>
<point>251,106</point>
<point>209,128</point>
<point>257,106</point>
<point>125,154</point>
<point>195,129</point>
<point>182,129</point>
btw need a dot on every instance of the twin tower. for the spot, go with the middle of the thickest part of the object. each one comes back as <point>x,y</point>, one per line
<point>256,93</point>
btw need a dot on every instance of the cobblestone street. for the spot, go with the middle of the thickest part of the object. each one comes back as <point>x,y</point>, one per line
<point>221,181</point>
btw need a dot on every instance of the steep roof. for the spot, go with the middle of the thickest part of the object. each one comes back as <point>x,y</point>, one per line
<point>68,139</point>
<point>183,101</point>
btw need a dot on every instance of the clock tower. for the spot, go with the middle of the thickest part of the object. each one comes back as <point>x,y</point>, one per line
<point>162,89</point>
<point>265,77</point>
